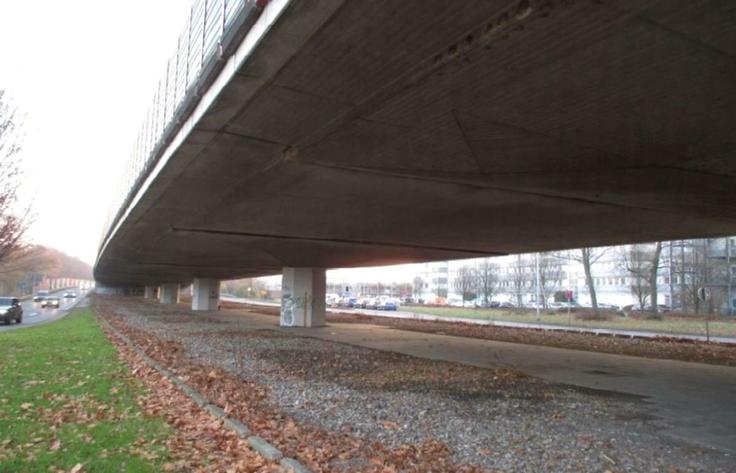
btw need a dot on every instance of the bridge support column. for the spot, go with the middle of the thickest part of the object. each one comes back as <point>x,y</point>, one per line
<point>169,293</point>
<point>303,297</point>
<point>205,294</point>
<point>150,292</point>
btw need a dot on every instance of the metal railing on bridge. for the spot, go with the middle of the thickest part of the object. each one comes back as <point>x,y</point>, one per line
<point>214,29</point>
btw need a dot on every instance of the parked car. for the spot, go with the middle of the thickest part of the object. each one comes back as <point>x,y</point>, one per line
<point>10,310</point>
<point>455,302</point>
<point>40,296</point>
<point>49,302</point>
<point>70,295</point>
<point>387,304</point>
<point>506,305</point>
<point>332,300</point>
<point>371,303</point>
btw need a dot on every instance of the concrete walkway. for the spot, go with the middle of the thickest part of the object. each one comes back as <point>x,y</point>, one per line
<point>501,323</point>
<point>698,401</point>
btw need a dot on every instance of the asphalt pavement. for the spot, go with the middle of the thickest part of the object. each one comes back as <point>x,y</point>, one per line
<point>34,314</point>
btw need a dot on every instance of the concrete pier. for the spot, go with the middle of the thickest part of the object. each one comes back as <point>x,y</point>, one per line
<point>303,297</point>
<point>205,294</point>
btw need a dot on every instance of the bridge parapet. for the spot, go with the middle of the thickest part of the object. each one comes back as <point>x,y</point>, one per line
<point>213,31</point>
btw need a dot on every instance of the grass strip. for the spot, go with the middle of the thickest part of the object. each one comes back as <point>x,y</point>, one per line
<point>667,325</point>
<point>67,400</point>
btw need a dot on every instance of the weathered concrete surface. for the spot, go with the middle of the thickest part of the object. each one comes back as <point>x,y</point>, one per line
<point>303,297</point>
<point>169,293</point>
<point>364,133</point>
<point>205,294</point>
<point>150,292</point>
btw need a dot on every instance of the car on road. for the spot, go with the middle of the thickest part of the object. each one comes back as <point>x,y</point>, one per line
<point>455,302</point>
<point>40,296</point>
<point>11,310</point>
<point>70,295</point>
<point>387,304</point>
<point>49,302</point>
<point>371,303</point>
<point>349,302</point>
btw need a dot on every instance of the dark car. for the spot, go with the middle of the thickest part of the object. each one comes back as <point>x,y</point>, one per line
<point>387,305</point>
<point>51,302</point>
<point>40,296</point>
<point>70,295</point>
<point>10,310</point>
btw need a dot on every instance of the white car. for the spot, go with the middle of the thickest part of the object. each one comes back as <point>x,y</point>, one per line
<point>455,302</point>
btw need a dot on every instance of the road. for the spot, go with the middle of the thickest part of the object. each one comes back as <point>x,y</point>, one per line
<point>33,314</point>
<point>502,323</point>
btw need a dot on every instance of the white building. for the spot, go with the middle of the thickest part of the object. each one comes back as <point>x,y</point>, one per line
<point>612,281</point>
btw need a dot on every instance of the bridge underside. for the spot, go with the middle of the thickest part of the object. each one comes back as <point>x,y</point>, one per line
<point>374,132</point>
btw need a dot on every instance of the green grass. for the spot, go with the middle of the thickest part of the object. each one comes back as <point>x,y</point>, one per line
<point>65,399</point>
<point>666,325</point>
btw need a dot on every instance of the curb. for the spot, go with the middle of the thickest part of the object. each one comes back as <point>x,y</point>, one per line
<point>265,449</point>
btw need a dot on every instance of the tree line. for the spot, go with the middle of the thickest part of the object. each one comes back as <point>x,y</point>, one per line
<point>682,267</point>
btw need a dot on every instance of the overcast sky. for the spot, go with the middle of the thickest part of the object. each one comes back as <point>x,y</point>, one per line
<point>84,74</point>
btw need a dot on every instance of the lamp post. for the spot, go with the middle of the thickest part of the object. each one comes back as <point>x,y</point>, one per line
<point>538,285</point>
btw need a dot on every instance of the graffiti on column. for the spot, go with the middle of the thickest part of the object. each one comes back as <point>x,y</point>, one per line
<point>287,305</point>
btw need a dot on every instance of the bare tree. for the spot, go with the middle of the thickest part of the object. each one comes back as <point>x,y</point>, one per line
<point>698,271</point>
<point>550,276</point>
<point>642,263</point>
<point>588,257</point>
<point>519,277</point>
<point>26,267</point>
<point>487,280</point>
<point>252,288</point>
<point>13,222</point>
<point>418,286</point>
<point>635,261</point>
<point>465,282</point>
<point>653,272</point>
<point>693,267</point>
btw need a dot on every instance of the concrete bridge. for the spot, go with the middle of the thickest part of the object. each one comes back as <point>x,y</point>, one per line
<point>294,136</point>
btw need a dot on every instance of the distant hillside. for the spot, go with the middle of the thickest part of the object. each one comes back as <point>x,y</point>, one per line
<point>28,267</point>
<point>65,266</point>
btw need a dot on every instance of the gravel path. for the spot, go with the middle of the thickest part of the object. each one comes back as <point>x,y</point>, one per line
<point>496,419</point>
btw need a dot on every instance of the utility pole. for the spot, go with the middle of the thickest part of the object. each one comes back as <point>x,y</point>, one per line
<point>538,286</point>
<point>672,283</point>
<point>730,275</point>
<point>682,275</point>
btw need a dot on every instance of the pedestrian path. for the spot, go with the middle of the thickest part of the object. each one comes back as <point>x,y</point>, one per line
<point>695,400</point>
